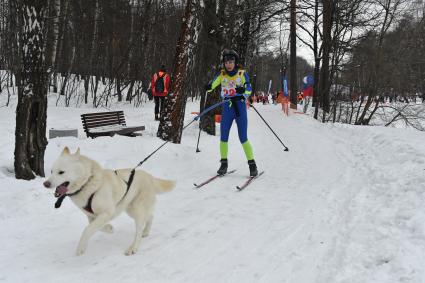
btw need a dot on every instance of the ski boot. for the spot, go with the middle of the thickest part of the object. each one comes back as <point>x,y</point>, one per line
<point>223,167</point>
<point>252,168</point>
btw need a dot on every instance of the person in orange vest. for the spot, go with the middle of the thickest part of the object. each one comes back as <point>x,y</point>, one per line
<point>160,85</point>
<point>299,97</point>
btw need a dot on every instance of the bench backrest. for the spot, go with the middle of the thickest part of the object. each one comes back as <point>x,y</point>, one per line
<point>92,120</point>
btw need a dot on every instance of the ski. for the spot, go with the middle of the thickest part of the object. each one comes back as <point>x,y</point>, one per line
<point>197,186</point>
<point>249,181</point>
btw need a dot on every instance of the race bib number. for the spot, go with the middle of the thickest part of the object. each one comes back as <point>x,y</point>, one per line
<point>228,88</point>
<point>228,92</point>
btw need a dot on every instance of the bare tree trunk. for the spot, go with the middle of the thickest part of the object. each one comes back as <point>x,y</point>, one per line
<point>390,7</point>
<point>68,72</point>
<point>71,28</point>
<point>63,23</point>
<point>209,46</point>
<point>55,35</point>
<point>324,82</point>
<point>242,46</point>
<point>316,91</point>
<point>14,60</point>
<point>118,87</point>
<point>93,68</point>
<point>293,56</point>
<point>86,88</point>
<point>134,9</point>
<point>144,40</point>
<point>215,13</point>
<point>130,91</point>
<point>95,84</point>
<point>367,121</point>
<point>93,62</point>
<point>358,109</point>
<point>171,124</point>
<point>31,111</point>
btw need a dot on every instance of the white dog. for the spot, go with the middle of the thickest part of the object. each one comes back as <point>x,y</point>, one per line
<point>103,194</point>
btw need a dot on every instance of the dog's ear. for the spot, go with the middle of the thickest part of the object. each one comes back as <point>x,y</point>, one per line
<point>65,151</point>
<point>77,152</point>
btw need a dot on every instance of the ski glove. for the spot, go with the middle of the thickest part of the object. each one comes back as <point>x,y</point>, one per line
<point>240,90</point>
<point>208,87</point>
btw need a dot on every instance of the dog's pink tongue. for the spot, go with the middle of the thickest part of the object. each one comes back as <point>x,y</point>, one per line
<point>60,191</point>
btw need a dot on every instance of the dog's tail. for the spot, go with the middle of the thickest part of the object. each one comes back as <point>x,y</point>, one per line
<point>163,186</point>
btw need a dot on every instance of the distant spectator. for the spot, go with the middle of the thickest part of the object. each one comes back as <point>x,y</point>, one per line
<point>274,96</point>
<point>284,100</point>
<point>160,85</point>
<point>266,99</point>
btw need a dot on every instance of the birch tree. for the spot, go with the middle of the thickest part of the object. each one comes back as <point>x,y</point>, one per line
<point>30,135</point>
<point>171,124</point>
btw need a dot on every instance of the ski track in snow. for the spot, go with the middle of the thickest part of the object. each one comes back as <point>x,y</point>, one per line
<point>345,204</point>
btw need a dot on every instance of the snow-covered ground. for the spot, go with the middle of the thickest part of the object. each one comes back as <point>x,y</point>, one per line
<point>345,204</point>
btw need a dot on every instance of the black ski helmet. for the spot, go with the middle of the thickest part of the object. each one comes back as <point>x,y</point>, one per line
<point>230,54</point>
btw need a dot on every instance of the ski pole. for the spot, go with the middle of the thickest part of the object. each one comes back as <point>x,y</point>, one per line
<point>209,109</point>
<point>190,123</point>
<point>286,149</point>
<point>147,157</point>
<point>132,172</point>
<point>202,114</point>
<point>199,134</point>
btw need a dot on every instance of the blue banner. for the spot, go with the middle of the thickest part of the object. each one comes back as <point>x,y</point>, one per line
<point>285,86</point>
<point>308,81</point>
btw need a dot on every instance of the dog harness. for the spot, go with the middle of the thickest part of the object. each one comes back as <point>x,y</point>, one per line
<point>88,206</point>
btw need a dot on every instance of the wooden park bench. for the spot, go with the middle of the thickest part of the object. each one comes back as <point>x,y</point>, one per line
<point>107,124</point>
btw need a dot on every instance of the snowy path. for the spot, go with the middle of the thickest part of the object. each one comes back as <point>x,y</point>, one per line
<point>345,204</point>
